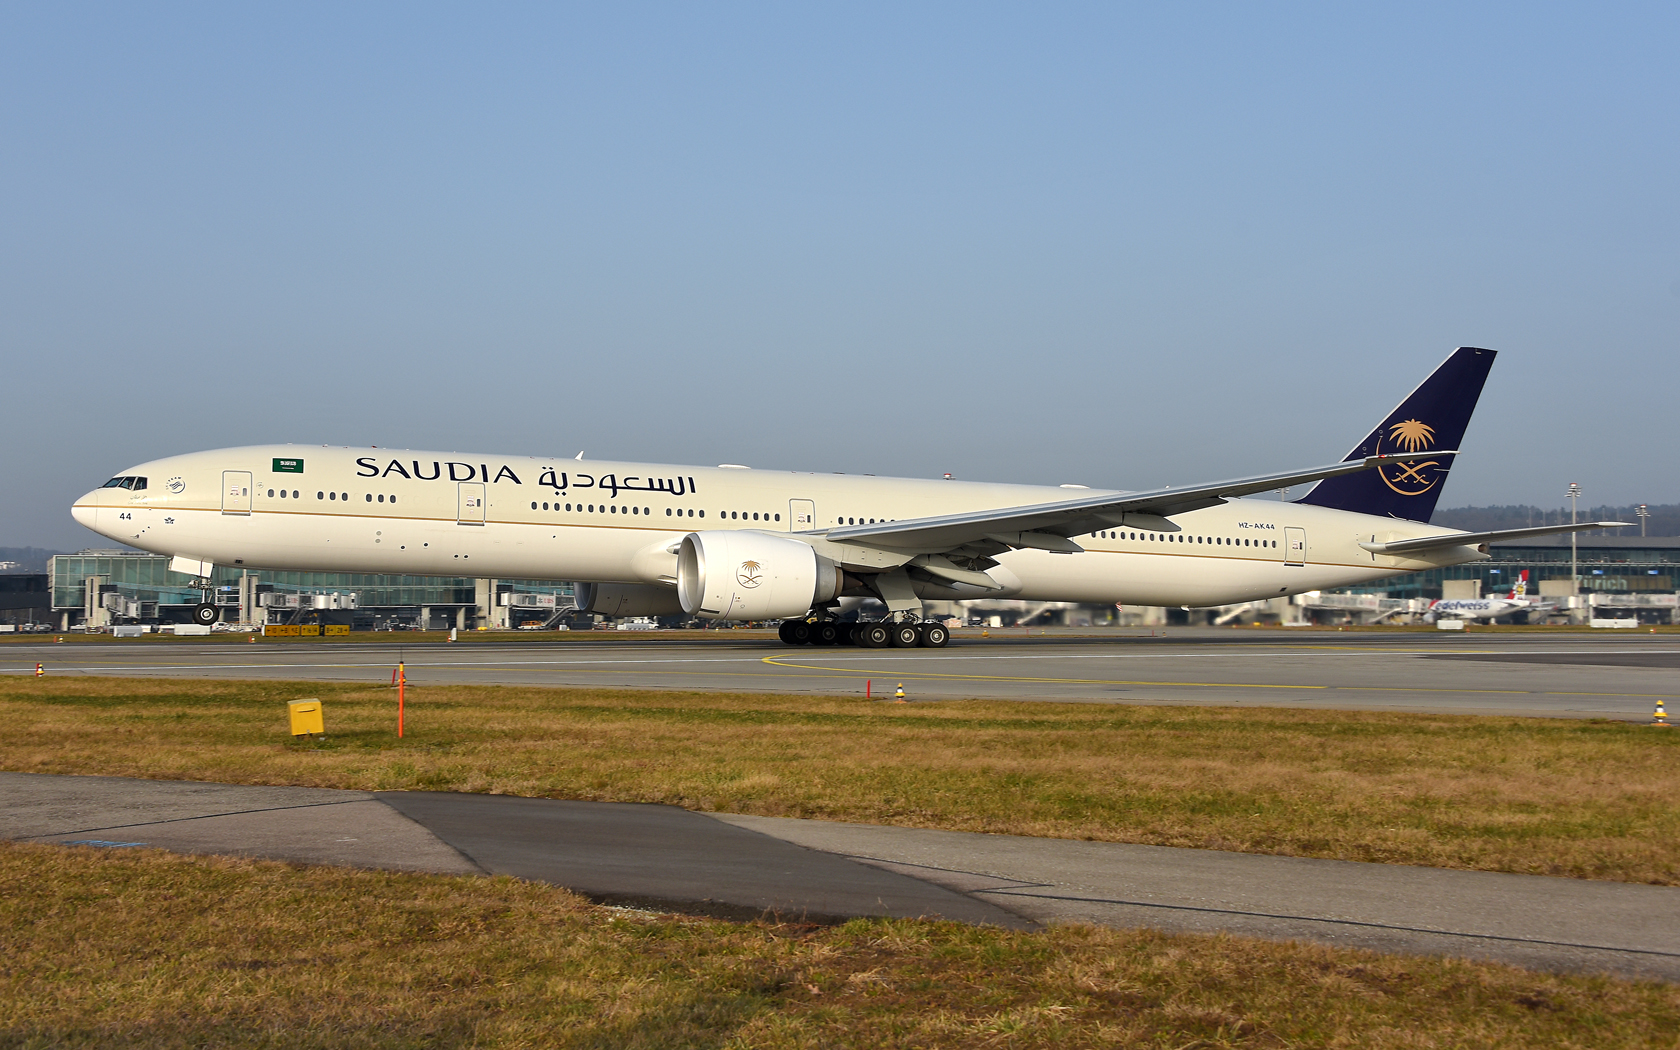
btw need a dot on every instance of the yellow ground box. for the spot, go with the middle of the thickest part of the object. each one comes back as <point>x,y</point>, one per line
<point>306,718</point>
<point>336,628</point>
<point>278,630</point>
<point>309,630</point>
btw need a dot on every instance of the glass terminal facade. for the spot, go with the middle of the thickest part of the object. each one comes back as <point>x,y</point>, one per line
<point>146,578</point>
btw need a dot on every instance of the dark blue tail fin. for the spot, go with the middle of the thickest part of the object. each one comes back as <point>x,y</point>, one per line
<point>1432,416</point>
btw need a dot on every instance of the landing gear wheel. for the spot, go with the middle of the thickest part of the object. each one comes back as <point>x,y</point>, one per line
<point>825,632</point>
<point>790,635</point>
<point>848,634</point>
<point>873,636</point>
<point>204,614</point>
<point>934,635</point>
<point>904,636</point>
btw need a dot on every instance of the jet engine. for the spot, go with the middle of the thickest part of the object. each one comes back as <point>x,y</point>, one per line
<point>626,599</point>
<point>728,575</point>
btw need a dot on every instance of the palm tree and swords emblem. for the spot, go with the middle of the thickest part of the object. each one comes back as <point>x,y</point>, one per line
<point>1408,479</point>
<point>750,575</point>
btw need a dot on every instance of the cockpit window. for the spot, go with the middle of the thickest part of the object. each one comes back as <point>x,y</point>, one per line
<point>114,483</point>
<point>135,483</point>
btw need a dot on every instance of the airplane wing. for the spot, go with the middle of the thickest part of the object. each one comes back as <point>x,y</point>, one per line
<point>1471,539</point>
<point>1047,526</point>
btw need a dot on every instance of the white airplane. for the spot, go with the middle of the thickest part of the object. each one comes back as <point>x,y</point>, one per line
<point>731,543</point>
<point>1484,608</point>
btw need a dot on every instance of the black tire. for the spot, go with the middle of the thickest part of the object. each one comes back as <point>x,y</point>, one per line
<point>825,632</point>
<point>904,636</point>
<point>873,635</point>
<point>785,633</point>
<point>934,635</point>
<point>204,614</point>
<point>848,634</point>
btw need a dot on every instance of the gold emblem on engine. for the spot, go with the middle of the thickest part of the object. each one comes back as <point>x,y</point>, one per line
<point>750,575</point>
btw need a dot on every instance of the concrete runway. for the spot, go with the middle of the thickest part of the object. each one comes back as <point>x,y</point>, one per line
<point>734,865</point>
<point>1608,674</point>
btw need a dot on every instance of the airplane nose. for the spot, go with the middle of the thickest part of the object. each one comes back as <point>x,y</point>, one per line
<point>86,511</point>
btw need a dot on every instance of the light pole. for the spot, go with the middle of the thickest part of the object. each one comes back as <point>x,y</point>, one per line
<point>1574,495</point>
<point>1644,512</point>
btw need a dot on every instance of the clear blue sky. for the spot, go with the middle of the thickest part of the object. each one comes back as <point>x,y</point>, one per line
<point>1115,245</point>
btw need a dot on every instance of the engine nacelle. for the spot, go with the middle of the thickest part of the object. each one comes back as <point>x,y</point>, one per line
<point>728,575</point>
<point>626,599</point>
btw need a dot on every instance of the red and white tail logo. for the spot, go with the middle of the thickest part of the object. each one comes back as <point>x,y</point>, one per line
<point>1520,590</point>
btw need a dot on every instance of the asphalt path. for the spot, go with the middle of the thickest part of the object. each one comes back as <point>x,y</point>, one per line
<point>742,866</point>
<point>1613,674</point>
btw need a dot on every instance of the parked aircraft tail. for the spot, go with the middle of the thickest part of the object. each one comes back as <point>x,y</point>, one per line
<point>1434,416</point>
<point>1520,590</point>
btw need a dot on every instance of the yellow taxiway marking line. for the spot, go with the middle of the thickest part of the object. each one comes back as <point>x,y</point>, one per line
<point>777,662</point>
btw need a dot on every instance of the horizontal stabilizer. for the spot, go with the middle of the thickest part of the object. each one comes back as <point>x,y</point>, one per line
<point>1472,539</point>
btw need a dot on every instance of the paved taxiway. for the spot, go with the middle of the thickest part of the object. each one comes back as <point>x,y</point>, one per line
<point>740,865</point>
<point>1609,674</point>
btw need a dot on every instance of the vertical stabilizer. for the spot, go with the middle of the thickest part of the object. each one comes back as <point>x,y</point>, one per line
<point>1433,416</point>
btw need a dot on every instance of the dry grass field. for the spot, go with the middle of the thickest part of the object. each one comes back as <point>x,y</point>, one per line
<point>1545,796</point>
<point>144,949</point>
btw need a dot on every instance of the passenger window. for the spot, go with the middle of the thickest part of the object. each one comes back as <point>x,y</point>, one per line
<point>270,493</point>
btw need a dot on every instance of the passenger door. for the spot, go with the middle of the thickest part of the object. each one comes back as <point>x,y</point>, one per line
<point>470,503</point>
<point>802,515</point>
<point>236,492</point>
<point>1294,546</point>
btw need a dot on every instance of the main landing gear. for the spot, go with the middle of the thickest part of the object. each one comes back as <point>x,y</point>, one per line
<point>870,634</point>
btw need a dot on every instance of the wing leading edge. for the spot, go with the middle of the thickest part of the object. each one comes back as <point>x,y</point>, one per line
<point>1047,526</point>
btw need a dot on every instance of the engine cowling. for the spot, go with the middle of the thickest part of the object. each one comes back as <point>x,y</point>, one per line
<point>626,599</point>
<point>728,575</point>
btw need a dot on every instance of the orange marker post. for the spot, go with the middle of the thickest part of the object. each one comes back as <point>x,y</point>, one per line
<point>866,684</point>
<point>402,680</point>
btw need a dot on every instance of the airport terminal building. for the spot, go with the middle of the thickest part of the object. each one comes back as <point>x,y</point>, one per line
<point>102,588</point>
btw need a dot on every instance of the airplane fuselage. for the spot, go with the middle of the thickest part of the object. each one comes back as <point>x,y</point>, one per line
<point>1478,608</point>
<point>314,508</point>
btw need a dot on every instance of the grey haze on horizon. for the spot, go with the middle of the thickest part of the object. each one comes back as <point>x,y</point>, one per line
<point>1114,245</point>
